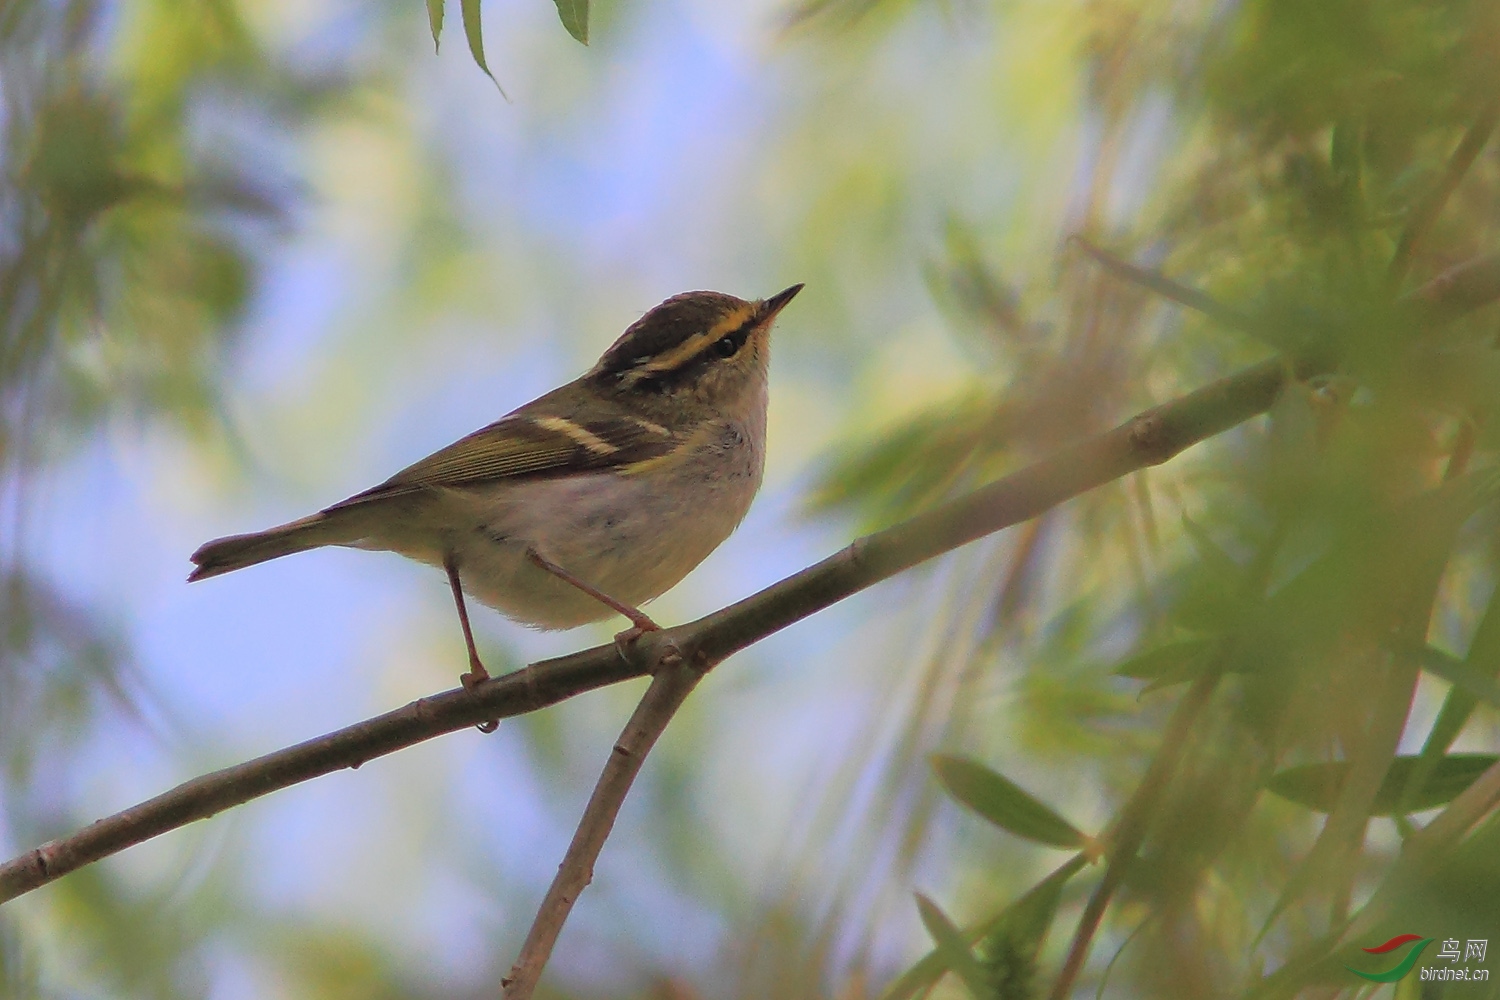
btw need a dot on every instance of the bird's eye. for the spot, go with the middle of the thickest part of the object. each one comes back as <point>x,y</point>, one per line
<point>725,347</point>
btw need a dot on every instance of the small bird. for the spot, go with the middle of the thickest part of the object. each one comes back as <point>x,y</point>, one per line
<point>596,497</point>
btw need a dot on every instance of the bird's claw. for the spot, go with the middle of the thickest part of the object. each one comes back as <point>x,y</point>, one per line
<point>624,641</point>
<point>475,676</point>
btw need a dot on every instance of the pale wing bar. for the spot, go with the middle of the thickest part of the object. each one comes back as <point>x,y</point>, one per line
<point>527,445</point>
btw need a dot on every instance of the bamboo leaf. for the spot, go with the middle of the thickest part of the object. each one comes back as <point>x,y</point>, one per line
<point>1214,586</point>
<point>1009,952</point>
<point>435,20</point>
<point>1170,661</point>
<point>1210,551</point>
<point>1024,912</point>
<point>574,15</point>
<point>917,980</point>
<point>1481,664</point>
<point>1317,785</point>
<point>1003,802</point>
<point>953,951</point>
<point>1478,684</point>
<point>475,35</point>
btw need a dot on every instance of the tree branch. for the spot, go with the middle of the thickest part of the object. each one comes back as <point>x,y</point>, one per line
<point>1149,438</point>
<point>536,686</point>
<point>669,689</point>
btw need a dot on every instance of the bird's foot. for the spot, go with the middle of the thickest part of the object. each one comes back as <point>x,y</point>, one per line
<point>668,655</point>
<point>475,676</point>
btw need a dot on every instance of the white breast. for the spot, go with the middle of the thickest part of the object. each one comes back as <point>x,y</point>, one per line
<point>631,536</point>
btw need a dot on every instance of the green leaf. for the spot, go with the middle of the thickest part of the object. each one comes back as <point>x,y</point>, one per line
<point>1214,587</point>
<point>953,951</point>
<point>1345,151</point>
<point>574,15</point>
<point>1170,661</point>
<point>1009,951</point>
<point>918,979</point>
<point>1221,562</point>
<point>1003,803</point>
<point>435,20</point>
<point>1471,680</point>
<point>916,463</point>
<point>1477,671</point>
<point>1317,785</point>
<point>1024,912</point>
<point>474,33</point>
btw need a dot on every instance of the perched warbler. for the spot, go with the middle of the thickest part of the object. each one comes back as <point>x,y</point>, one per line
<point>598,496</point>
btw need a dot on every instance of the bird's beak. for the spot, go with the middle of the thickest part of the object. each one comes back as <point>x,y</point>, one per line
<point>770,307</point>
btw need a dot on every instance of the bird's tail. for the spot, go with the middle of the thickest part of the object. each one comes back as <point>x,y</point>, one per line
<point>223,555</point>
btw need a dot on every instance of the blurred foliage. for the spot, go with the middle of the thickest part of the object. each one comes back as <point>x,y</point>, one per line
<point>1324,159</point>
<point>134,228</point>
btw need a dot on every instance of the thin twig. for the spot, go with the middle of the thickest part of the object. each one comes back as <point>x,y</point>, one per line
<point>669,689</point>
<point>1426,213</point>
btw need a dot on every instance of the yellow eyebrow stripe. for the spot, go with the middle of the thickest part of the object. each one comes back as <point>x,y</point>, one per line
<point>688,349</point>
<point>578,434</point>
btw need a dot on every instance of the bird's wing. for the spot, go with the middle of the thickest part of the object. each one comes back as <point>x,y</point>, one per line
<point>533,442</point>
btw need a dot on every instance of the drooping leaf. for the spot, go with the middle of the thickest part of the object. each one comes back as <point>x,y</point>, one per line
<point>1003,802</point>
<point>435,20</point>
<point>1317,785</point>
<point>474,32</point>
<point>574,15</point>
<point>953,951</point>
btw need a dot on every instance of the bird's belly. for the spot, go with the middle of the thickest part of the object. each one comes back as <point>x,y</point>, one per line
<point>631,537</point>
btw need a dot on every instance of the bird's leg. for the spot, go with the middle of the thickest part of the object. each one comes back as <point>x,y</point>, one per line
<point>476,672</point>
<point>639,620</point>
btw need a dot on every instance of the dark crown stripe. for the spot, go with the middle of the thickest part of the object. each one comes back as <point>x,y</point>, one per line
<point>675,331</point>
